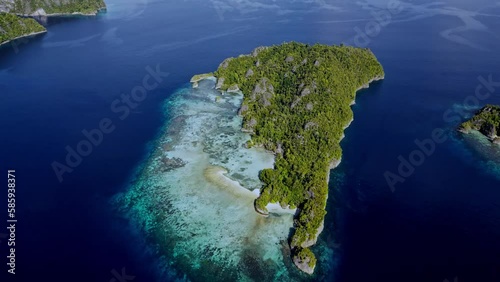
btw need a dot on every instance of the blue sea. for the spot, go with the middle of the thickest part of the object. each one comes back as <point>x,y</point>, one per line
<point>440,222</point>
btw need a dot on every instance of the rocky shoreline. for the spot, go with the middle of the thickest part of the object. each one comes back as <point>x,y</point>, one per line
<point>284,117</point>
<point>199,77</point>
<point>486,121</point>
<point>23,36</point>
<point>40,13</point>
<point>367,85</point>
<point>303,263</point>
<point>25,8</point>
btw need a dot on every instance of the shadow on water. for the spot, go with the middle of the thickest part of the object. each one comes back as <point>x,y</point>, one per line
<point>65,19</point>
<point>14,47</point>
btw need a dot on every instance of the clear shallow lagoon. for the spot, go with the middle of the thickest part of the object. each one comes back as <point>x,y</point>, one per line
<point>442,222</point>
<point>194,198</point>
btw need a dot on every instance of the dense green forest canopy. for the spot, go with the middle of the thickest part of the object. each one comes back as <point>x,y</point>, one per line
<point>12,26</point>
<point>296,103</point>
<point>26,7</point>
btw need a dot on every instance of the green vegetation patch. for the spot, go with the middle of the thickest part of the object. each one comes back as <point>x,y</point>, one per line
<point>486,120</point>
<point>296,103</point>
<point>12,26</point>
<point>58,6</point>
<point>306,255</point>
<point>199,77</point>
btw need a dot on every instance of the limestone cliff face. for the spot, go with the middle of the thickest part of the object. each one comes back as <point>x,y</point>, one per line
<point>303,265</point>
<point>304,260</point>
<point>51,7</point>
<point>6,5</point>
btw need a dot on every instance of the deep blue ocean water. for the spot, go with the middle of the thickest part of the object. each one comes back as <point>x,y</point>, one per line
<point>442,222</point>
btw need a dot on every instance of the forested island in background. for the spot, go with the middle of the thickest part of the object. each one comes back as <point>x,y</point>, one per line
<point>297,100</point>
<point>486,121</point>
<point>14,14</point>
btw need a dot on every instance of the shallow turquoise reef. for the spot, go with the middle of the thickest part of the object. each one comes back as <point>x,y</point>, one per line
<point>194,196</point>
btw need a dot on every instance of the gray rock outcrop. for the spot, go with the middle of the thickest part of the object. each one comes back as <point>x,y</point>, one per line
<point>220,83</point>
<point>249,73</point>
<point>263,92</point>
<point>257,50</point>
<point>303,265</point>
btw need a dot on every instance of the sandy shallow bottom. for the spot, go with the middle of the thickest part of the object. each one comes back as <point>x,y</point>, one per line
<point>193,198</point>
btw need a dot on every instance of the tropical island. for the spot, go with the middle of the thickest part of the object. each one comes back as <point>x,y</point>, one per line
<point>14,15</point>
<point>486,121</point>
<point>52,7</point>
<point>296,103</point>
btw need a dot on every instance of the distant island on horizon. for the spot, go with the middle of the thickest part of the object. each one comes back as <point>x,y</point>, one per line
<point>297,100</point>
<point>16,16</point>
